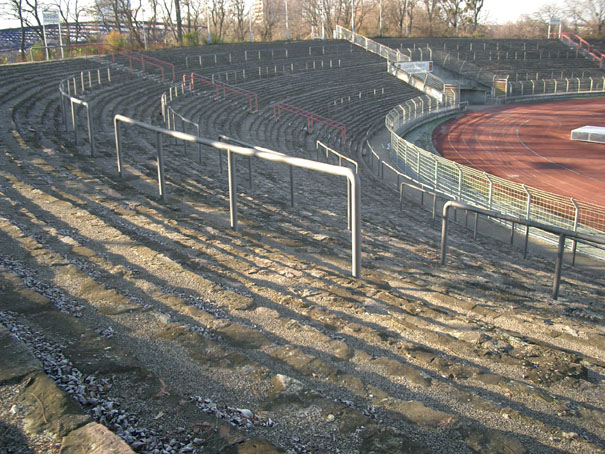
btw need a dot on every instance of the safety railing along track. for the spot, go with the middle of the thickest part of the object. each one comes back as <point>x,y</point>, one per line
<point>479,188</point>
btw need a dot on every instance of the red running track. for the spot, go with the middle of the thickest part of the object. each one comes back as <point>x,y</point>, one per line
<point>531,144</point>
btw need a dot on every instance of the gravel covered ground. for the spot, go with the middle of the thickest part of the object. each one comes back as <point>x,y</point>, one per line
<point>180,335</point>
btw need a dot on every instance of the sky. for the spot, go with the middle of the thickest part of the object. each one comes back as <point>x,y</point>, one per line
<point>502,11</point>
<point>497,11</point>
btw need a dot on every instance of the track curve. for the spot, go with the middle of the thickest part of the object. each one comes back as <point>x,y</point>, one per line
<point>531,144</point>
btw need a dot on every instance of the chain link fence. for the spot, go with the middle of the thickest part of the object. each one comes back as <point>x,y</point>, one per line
<point>481,189</point>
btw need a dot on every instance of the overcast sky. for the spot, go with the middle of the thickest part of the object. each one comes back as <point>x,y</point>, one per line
<point>496,11</point>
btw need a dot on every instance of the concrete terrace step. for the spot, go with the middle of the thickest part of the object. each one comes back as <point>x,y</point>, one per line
<point>201,320</point>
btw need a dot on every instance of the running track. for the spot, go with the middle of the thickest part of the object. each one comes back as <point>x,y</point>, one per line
<point>531,144</point>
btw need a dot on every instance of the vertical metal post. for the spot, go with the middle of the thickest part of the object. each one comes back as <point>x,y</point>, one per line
<point>476,225</point>
<point>527,215</point>
<point>348,205</point>
<point>232,189</point>
<point>64,109</point>
<point>91,135</point>
<point>491,191</point>
<point>291,186</point>
<point>512,233</point>
<point>558,267</point>
<point>160,164</point>
<point>250,172</point>
<point>356,227</point>
<point>73,121</point>
<point>199,145</point>
<point>575,229</point>
<point>116,127</point>
<point>444,234</point>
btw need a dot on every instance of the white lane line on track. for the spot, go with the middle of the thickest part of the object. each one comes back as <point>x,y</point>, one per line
<point>550,160</point>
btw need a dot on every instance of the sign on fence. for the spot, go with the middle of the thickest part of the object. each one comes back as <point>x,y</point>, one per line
<point>413,67</point>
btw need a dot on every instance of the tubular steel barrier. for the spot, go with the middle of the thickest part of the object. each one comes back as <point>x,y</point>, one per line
<point>481,189</point>
<point>583,46</point>
<point>228,139</point>
<point>311,119</point>
<point>248,152</point>
<point>144,60</point>
<point>341,158</point>
<point>65,92</point>
<point>561,233</point>
<point>251,96</point>
<point>426,82</point>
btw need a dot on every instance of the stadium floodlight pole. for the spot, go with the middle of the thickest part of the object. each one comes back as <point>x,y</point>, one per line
<point>287,25</point>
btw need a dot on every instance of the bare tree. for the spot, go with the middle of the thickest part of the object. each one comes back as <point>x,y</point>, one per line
<point>218,13</point>
<point>474,8</point>
<point>31,14</point>
<point>452,11</point>
<point>432,9</point>
<point>398,13</point>
<point>269,13</point>
<point>70,13</point>
<point>411,5</point>
<point>179,21</point>
<point>238,13</point>
<point>589,15</point>
<point>16,10</point>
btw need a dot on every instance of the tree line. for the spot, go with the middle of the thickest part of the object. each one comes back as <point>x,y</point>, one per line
<point>194,22</point>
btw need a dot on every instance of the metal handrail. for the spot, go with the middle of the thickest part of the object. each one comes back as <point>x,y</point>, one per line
<point>340,156</point>
<point>311,117</point>
<point>66,96</point>
<point>226,87</point>
<point>346,172</point>
<point>138,57</point>
<point>562,233</point>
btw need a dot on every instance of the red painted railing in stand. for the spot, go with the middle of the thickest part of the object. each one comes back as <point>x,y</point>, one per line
<point>144,59</point>
<point>250,95</point>
<point>158,61</point>
<point>140,58</point>
<point>584,45</point>
<point>311,119</point>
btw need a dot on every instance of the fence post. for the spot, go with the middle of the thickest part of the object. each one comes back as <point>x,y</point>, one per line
<point>459,180</point>
<point>558,267</point>
<point>444,233</point>
<point>491,190</point>
<point>91,135</point>
<point>575,229</point>
<point>232,189</point>
<point>160,164</point>
<point>528,212</point>
<point>116,127</point>
<point>74,123</point>
<point>291,186</point>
